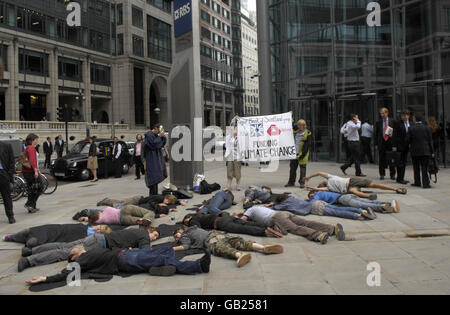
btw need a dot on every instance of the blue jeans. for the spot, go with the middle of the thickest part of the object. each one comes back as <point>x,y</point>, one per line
<point>141,260</point>
<point>342,212</point>
<point>254,194</point>
<point>354,201</point>
<point>221,201</point>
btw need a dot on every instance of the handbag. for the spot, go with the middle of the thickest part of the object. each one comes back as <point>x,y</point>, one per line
<point>23,160</point>
<point>433,169</point>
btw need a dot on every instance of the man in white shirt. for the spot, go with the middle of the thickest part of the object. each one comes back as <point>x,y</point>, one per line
<point>117,158</point>
<point>354,146</point>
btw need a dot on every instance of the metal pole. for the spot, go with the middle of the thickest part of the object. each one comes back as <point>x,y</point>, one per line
<point>113,132</point>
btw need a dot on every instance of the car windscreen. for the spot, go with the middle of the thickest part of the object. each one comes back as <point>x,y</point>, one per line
<point>81,148</point>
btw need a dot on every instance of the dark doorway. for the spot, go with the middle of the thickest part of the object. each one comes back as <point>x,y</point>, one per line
<point>104,118</point>
<point>154,116</point>
<point>33,107</point>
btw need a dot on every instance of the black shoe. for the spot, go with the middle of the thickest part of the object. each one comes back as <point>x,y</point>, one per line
<point>289,185</point>
<point>343,169</point>
<point>205,262</point>
<point>11,220</point>
<point>403,182</point>
<point>163,271</point>
<point>415,185</point>
<point>373,197</point>
<point>381,177</point>
<point>26,252</point>
<point>393,177</point>
<point>23,264</point>
<point>427,187</point>
<point>361,175</point>
<point>32,242</point>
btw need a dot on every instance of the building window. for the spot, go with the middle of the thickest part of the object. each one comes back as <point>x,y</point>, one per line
<point>120,14</point>
<point>207,95</point>
<point>138,46</point>
<point>218,96</point>
<point>120,44</point>
<point>100,74</point>
<point>164,5</point>
<point>159,39</point>
<point>206,34</point>
<point>206,17</point>
<point>33,62</point>
<point>207,3</point>
<point>4,56</point>
<point>69,69</point>
<point>137,17</point>
<point>228,99</point>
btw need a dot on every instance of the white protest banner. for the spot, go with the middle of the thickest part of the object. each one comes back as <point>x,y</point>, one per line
<point>266,138</point>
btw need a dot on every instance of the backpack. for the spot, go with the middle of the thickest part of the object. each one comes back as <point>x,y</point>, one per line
<point>433,169</point>
<point>23,160</point>
<point>206,188</point>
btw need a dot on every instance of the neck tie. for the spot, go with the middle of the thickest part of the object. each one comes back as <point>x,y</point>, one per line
<point>406,126</point>
<point>386,125</point>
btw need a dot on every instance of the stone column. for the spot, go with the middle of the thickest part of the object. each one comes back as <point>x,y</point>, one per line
<point>53,95</point>
<point>12,93</point>
<point>148,79</point>
<point>87,108</point>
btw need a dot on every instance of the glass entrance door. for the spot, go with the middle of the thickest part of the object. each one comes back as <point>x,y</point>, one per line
<point>317,112</point>
<point>428,101</point>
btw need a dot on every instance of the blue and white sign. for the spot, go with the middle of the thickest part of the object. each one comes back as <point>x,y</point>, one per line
<point>182,15</point>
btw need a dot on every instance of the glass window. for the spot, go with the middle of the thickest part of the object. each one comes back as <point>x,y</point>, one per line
<point>137,17</point>
<point>138,46</point>
<point>33,62</point>
<point>159,36</point>
<point>164,5</point>
<point>69,69</point>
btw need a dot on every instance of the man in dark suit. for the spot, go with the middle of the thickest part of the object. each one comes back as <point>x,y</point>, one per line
<point>383,142</point>
<point>400,144</point>
<point>48,151</point>
<point>59,146</point>
<point>421,140</point>
<point>117,158</point>
<point>7,170</point>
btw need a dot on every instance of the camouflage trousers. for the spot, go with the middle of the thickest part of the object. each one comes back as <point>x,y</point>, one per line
<point>227,246</point>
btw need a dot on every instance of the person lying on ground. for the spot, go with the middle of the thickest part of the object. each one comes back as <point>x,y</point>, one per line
<point>350,185</point>
<point>290,223</point>
<point>227,223</point>
<point>321,208</point>
<point>157,262</point>
<point>51,233</point>
<point>256,195</point>
<point>54,252</point>
<point>222,200</point>
<point>221,245</point>
<point>169,200</point>
<point>127,216</point>
<point>351,200</point>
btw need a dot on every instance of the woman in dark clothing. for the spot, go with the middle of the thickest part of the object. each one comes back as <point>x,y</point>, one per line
<point>92,159</point>
<point>31,174</point>
<point>227,223</point>
<point>54,233</point>
<point>156,171</point>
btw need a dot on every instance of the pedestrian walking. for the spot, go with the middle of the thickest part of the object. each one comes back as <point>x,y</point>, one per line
<point>31,173</point>
<point>92,159</point>
<point>366,142</point>
<point>7,170</point>
<point>138,157</point>
<point>48,151</point>
<point>354,146</point>
<point>421,141</point>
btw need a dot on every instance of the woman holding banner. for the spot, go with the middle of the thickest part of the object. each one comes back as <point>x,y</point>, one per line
<point>303,138</point>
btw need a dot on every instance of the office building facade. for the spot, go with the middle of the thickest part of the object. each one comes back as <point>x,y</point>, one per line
<point>331,58</point>
<point>112,68</point>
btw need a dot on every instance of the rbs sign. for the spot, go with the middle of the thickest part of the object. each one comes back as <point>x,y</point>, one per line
<point>182,17</point>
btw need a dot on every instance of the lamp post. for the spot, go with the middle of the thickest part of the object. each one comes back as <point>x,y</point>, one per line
<point>245,89</point>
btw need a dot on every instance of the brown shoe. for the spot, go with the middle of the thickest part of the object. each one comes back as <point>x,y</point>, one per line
<point>273,249</point>
<point>388,208</point>
<point>144,222</point>
<point>243,260</point>
<point>323,238</point>
<point>280,229</point>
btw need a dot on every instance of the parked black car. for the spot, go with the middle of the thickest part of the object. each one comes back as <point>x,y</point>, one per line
<point>74,164</point>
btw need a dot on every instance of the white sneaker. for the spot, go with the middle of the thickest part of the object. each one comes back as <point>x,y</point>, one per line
<point>395,206</point>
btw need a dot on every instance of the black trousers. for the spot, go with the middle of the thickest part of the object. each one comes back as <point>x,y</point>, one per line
<point>293,166</point>
<point>153,190</point>
<point>33,195</point>
<point>354,147</point>
<point>384,162</point>
<point>118,167</point>
<point>420,165</point>
<point>401,168</point>
<point>6,193</point>
<point>237,226</point>
<point>366,149</point>
<point>139,166</point>
<point>48,158</point>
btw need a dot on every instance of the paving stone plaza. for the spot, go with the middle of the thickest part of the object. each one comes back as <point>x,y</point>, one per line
<point>409,265</point>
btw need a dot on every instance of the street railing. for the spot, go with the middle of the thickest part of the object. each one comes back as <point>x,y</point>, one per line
<point>51,125</point>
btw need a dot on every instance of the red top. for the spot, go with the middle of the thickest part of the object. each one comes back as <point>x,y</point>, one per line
<point>32,157</point>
